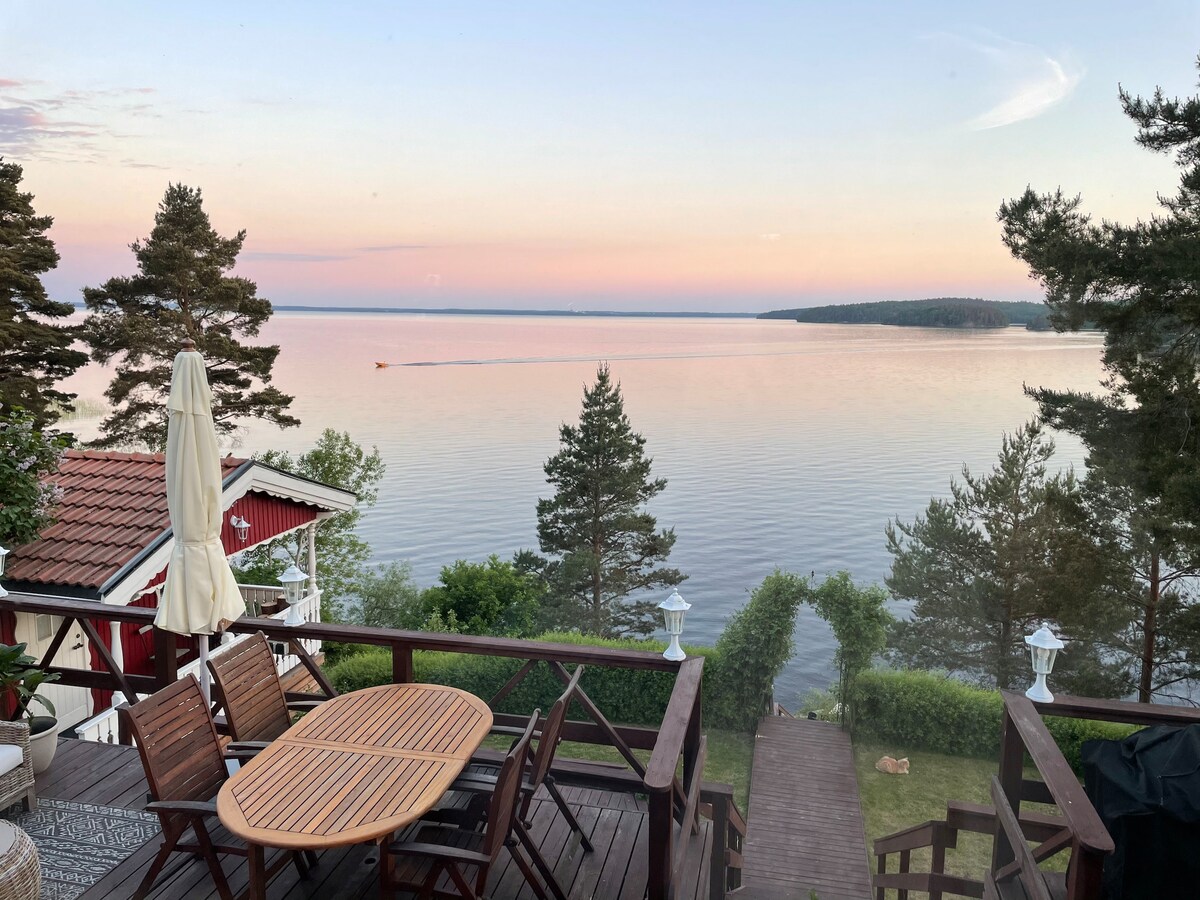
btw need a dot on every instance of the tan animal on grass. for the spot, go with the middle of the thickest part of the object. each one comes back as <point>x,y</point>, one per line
<point>890,766</point>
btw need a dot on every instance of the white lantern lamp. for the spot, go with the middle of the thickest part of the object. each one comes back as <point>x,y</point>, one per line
<point>1043,648</point>
<point>3,554</point>
<point>241,527</point>
<point>673,609</point>
<point>293,592</point>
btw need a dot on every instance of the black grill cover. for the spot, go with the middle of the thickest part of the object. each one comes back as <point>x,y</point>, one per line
<point>1147,791</point>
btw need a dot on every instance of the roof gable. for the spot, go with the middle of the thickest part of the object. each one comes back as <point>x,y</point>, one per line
<point>113,524</point>
<point>114,505</point>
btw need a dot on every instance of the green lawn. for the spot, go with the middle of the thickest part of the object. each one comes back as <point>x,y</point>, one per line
<point>892,803</point>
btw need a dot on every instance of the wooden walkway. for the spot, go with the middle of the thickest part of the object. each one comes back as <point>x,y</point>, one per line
<point>805,827</point>
<point>111,775</point>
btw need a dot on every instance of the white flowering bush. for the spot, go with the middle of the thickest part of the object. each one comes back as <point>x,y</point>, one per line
<point>28,496</point>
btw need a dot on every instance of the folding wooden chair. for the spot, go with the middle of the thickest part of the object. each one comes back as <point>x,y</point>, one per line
<point>250,692</point>
<point>185,767</point>
<point>543,757</point>
<point>436,862</point>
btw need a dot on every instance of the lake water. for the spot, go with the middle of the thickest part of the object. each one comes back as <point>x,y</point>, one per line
<point>784,445</point>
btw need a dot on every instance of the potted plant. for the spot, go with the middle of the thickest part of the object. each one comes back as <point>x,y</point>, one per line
<point>19,682</point>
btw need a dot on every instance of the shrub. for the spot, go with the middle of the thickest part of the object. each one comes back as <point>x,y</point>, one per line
<point>926,711</point>
<point>625,696</point>
<point>859,620</point>
<point>751,652</point>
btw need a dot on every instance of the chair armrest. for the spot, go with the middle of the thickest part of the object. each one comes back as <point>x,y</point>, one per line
<point>243,750</point>
<point>303,704</point>
<point>439,851</point>
<point>512,730</point>
<point>185,807</point>
<point>481,784</point>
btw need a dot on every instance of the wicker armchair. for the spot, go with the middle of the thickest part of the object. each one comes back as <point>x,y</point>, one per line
<point>16,773</point>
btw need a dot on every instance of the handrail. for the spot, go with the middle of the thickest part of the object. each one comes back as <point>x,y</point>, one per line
<point>660,771</point>
<point>1124,711</point>
<point>1079,814</point>
<point>1024,866</point>
<point>360,634</point>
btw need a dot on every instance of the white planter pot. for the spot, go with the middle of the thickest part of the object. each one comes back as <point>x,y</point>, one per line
<point>42,747</point>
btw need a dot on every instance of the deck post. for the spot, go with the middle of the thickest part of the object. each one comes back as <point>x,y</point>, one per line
<point>1012,764</point>
<point>661,824</point>
<point>402,664</point>
<point>718,856</point>
<point>166,666</point>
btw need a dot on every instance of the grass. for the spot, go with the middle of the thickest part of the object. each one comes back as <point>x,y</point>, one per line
<point>892,803</point>
<point>728,760</point>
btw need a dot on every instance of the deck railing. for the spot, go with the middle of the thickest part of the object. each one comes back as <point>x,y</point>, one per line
<point>675,802</point>
<point>1076,828</point>
<point>104,726</point>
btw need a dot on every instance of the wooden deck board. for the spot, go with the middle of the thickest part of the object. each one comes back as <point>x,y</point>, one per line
<point>804,827</point>
<point>111,775</point>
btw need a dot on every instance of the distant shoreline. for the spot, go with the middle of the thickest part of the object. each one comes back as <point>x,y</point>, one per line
<point>452,311</point>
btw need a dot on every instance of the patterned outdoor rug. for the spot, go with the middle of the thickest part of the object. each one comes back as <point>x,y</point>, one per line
<point>78,843</point>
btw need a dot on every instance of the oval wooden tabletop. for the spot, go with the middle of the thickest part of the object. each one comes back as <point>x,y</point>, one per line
<point>356,768</point>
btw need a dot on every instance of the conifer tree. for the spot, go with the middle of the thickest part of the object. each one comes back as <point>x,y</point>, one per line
<point>35,345</point>
<point>182,290</point>
<point>1138,283</point>
<point>986,566</point>
<point>603,547</point>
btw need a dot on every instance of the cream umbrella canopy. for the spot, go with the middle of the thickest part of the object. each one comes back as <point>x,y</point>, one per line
<point>200,595</point>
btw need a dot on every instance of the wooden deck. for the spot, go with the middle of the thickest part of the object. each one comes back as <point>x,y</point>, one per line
<point>111,775</point>
<point>804,828</point>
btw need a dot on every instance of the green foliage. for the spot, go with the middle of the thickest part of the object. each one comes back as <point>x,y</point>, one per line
<point>953,312</point>
<point>859,620</point>
<point>602,545</point>
<point>626,696</point>
<point>28,457</point>
<point>335,459</point>
<point>182,290</point>
<point>753,649</point>
<point>1138,284</point>
<point>923,710</point>
<point>35,348</point>
<point>486,598</point>
<point>386,597</point>
<point>986,566</point>
<point>20,679</point>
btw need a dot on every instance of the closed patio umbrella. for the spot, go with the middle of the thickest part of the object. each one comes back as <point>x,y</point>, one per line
<point>200,595</point>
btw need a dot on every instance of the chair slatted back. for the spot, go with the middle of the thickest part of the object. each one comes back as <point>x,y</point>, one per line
<point>250,691</point>
<point>552,731</point>
<point>178,742</point>
<point>502,808</point>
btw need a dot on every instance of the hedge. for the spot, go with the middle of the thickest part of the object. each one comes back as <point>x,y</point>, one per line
<point>925,711</point>
<point>625,696</point>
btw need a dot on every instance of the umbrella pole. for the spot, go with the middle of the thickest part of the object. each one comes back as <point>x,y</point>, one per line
<point>204,685</point>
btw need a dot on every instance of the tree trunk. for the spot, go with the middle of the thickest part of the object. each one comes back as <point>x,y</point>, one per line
<point>1003,661</point>
<point>1149,632</point>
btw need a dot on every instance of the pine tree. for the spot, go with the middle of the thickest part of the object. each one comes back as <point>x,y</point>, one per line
<point>35,347</point>
<point>986,566</point>
<point>1138,283</point>
<point>603,546</point>
<point>182,290</point>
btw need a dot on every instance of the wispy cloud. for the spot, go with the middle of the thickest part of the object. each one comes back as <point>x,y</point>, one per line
<point>63,124</point>
<point>389,248</point>
<point>280,256</point>
<point>1029,80</point>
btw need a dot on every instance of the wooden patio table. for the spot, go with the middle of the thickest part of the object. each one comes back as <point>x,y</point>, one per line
<point>357,768</point>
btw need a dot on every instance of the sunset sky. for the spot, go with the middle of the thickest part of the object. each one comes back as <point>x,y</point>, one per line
<point>668,156</point>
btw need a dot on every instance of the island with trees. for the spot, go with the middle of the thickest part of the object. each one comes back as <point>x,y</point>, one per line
<point>937,312</point>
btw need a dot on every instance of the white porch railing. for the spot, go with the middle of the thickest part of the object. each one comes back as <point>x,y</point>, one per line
<point>102,727</point>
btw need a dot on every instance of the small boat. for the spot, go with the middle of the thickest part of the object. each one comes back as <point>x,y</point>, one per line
<point>380,365</point>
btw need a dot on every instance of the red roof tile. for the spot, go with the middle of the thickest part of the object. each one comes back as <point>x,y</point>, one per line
<point>114,505</point>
